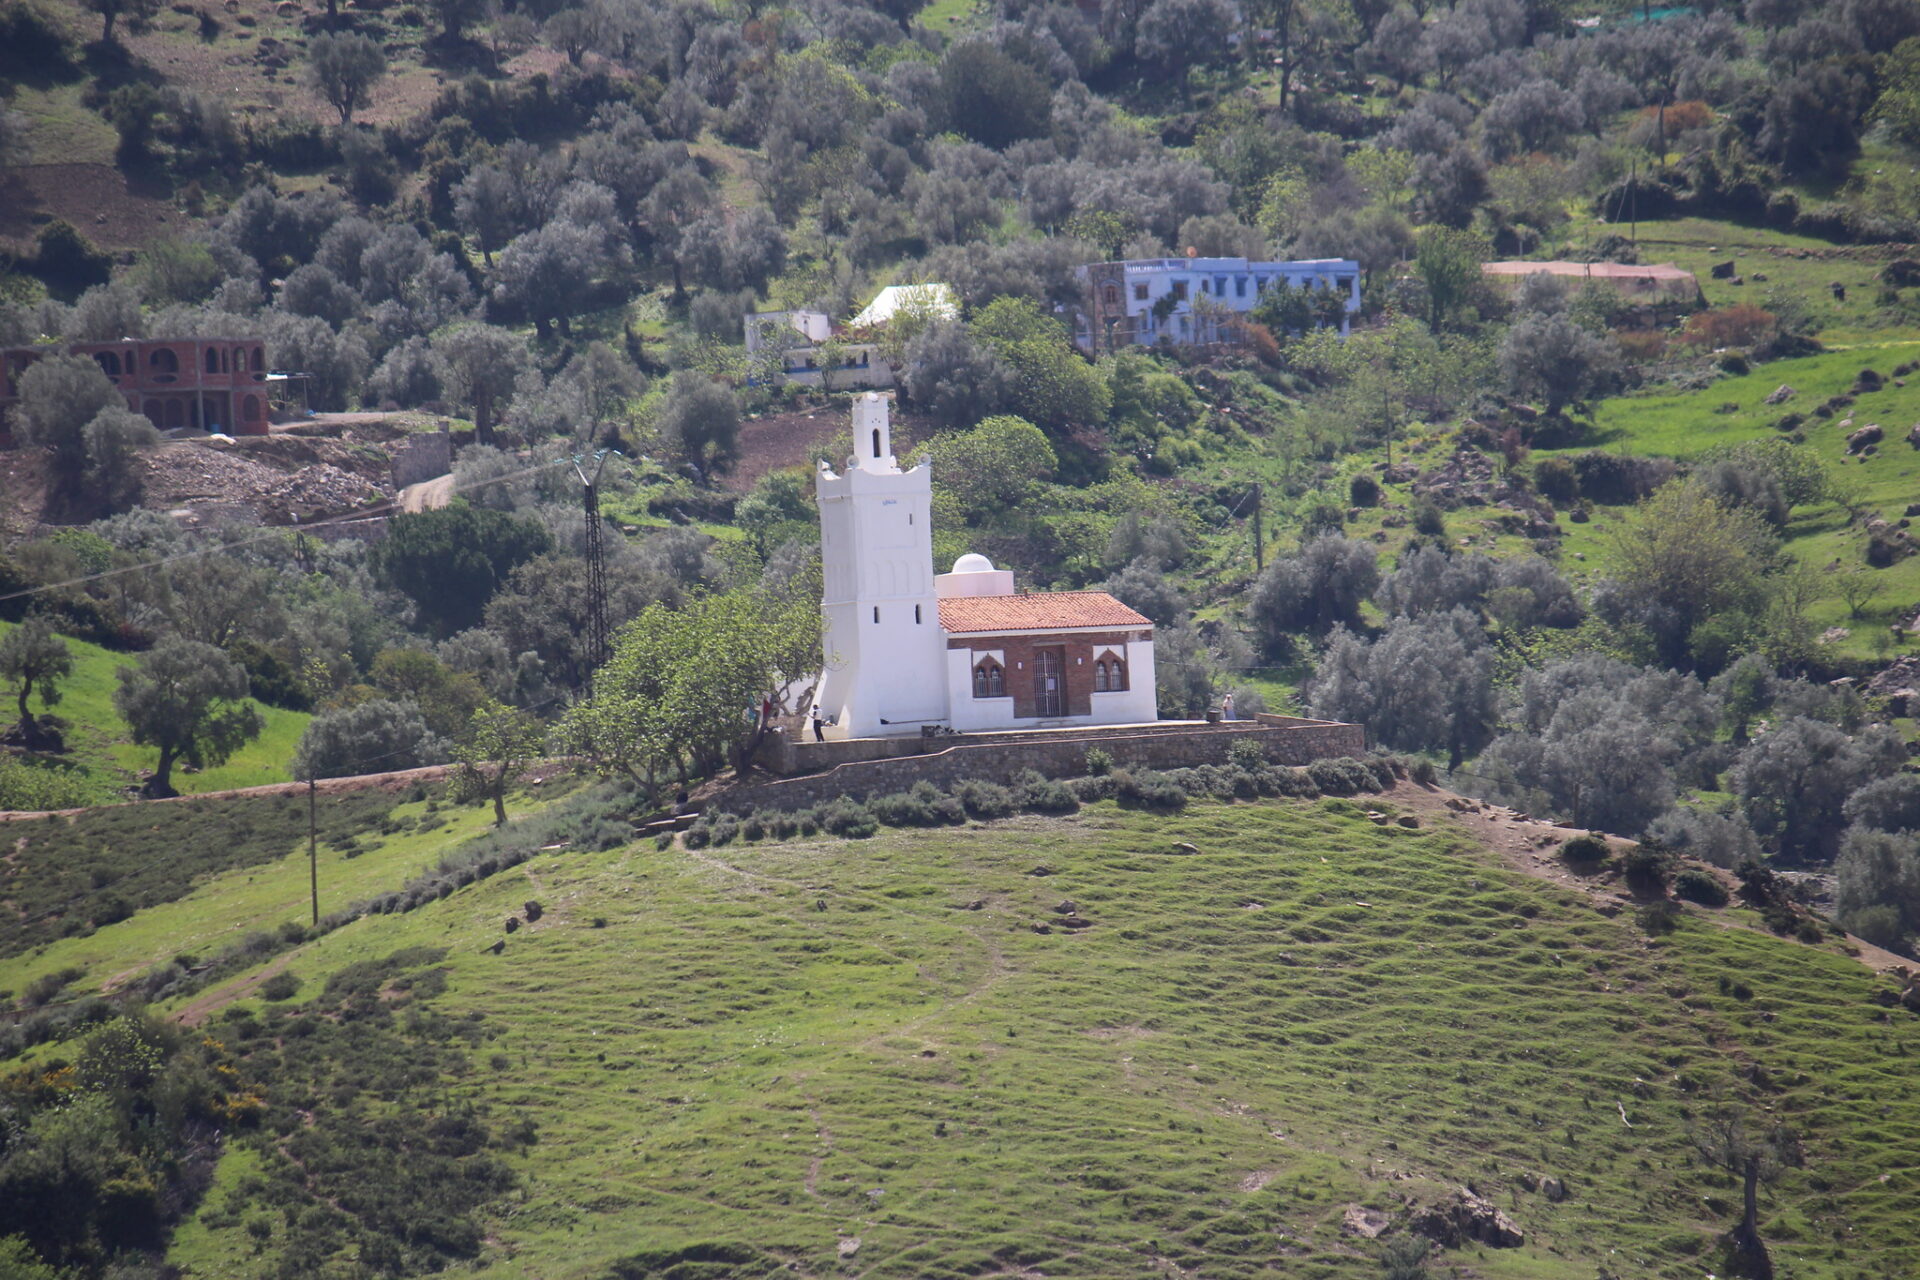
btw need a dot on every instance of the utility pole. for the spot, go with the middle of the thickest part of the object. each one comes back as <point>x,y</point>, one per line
<point>1259,536</point>
<point>597,645</point>
<point>1633,202</point>
<point>313,851</point>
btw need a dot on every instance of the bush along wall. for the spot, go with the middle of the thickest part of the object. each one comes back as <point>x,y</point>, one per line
<point>1246,776</point>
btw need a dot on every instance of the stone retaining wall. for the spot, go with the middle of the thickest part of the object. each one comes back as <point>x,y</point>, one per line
<point>426,455</point>
<point>792,752</point>
<point>1003,760</point>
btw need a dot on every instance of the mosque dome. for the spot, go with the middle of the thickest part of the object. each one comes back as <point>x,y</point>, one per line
<point>973,562</point>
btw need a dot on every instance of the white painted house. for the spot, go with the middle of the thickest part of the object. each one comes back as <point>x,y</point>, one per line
<point>907,648</point>
<point>1144,301</point>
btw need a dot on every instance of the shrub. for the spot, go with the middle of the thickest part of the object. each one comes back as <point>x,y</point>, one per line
<point>1363,490</point>
<point>1344,776</point>
<point>1421,770</point>
<point>1149,790</point>
<point>1556,480</point>
<point>280,986</point>
<point>902,809</point>
<point>1648,868</point>
<point>1699,886</point>
<point>1099,761</point>
<point>1429,519</point>
<point>1248,754</point>
<point>1660,918</point>
<point>1585,851</point>
<point>1044,795</point>
<point>1294,783</point>
<point>1094,787</point>
<point>848,819</point>
<point>984,799</point>
<point>1384,775</point>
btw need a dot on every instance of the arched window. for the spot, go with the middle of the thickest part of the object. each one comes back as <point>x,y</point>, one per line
<point>109,363</point>
<point>164,360</point>
<point>1116,677</point>
<point>989,679</point>
<point>1112,293</point>
<point>213,360</point>
<point>876,442</point>
<point>1100,677</point>
<point>259,360</point>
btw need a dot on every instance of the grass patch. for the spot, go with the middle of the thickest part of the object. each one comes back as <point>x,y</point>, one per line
<point>99,751</point>
<point>1311,1011</point>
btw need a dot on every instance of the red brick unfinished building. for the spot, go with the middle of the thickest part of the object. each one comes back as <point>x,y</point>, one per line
<point>209,384</point>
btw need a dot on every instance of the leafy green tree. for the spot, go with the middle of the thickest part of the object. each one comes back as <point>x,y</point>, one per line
<point>1794,780</point>
<point>114,440</point>
<point>986,473</point>
<point>343,67</point>
<point>776,511</point>
<point>36,660</point>
<point>479,365</point>
<point>701,420</point>
<point>455,16</point>
<point>1898,106</point>
<point>499,742</point>
<point>670,702</point>
<point>1048,382</point>
<point>1547,357</point>
<point>446,698</point>
<point>991,97</point>
<point>451,561</point>
<point>1424,685</point>
<point>377,736</point>
<point>1448,264</point>
<point>112,9</point>
<point>1692,571</point>
<point>59,396</point>
<point>1316,590</point>
<point>188,700</point>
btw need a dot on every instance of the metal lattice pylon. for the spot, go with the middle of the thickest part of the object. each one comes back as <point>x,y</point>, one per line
<point>598,644</point>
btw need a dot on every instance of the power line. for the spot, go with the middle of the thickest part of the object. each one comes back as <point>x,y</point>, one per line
<point>264,535</point>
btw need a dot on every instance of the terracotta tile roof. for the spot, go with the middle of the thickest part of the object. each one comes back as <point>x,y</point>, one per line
<point>1043,611</point>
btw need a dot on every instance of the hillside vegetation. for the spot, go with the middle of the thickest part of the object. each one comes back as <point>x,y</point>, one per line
<point>821,1055</point>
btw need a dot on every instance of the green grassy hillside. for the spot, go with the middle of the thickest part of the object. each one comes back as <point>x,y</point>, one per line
<point>100,759</point>
<point>868,1056</point>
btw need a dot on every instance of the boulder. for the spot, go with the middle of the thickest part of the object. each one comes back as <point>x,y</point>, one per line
<point>1364,1222</point>
<point>1868,435</point>
<point>1554,1189</point>
<point>1722,270</point>
<point>1782,394</point>
<point>1464,1216</point>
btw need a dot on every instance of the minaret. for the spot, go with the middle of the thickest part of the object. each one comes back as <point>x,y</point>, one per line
<point>885,651</point>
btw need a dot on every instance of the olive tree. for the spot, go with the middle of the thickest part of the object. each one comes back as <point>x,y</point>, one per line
<point>343,67</point>
<point>36,660</point>
<point>187,700</point>
<point>377,736</point>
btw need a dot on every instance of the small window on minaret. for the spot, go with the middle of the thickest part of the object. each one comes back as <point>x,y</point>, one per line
<point>876,613</point>
<point>876,442</point>
<point>916,615</point>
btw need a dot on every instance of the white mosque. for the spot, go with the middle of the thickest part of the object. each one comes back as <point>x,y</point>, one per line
<point>908,649</point>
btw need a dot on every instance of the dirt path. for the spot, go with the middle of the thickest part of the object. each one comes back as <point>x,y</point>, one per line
<point>428,495</point>
<point>1532,847</point>
<point>212,1001</point>
<point>396,781</point>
